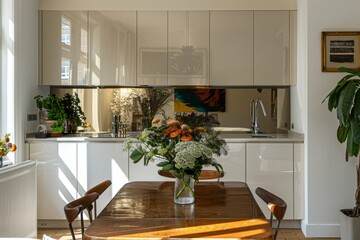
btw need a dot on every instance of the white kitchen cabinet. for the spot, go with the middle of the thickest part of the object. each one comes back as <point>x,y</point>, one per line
<point>270,166</point>
<point>299,181</point>
<point>231,48</point>
<point>64,52</point>
<point>56,177</point>
<point>112,48</point>
<point>104,161</point>
<point>152,48</point>
<point>293,47</point>
<point>233,163</point>
<point>188,48</point>
<point>271,48</point>
<point>139,172</point>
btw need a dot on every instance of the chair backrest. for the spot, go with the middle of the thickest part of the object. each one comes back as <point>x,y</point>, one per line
<point>76,207</point>
<point>99,189</point>
<point>275,204</point>
<point>204,175</point>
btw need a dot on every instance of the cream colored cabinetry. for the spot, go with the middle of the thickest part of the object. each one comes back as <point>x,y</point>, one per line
<point>64,52</point>
<point>271,48</point>
<point>57,173</point>
<point>152,48</point>
<point>299,181</point>
<point>231,48</point>
<point>66,170</point>
<point>112,48</point>
<point>140,172</point>
<point>270,166</point>
<point>188,48</point>
<point>105,160</point>
<point>233,163</point>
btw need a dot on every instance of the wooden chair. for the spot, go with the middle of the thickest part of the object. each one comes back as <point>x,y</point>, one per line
<point>76,207</point>
<point>204,175</point>
<point>99,189</point>
<point>275,204</point>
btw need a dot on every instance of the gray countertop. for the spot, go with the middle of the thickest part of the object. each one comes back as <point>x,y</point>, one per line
<point>228,136</point>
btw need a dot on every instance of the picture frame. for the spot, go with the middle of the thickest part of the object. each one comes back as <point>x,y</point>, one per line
<point>340,49</point>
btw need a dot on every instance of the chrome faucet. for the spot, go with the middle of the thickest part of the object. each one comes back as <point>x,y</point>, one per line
<point>254,114</point>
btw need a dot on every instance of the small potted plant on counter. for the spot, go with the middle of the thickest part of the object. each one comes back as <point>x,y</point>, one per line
<point>345,98</point>
<point>65,114</point>
<point>52,112</point>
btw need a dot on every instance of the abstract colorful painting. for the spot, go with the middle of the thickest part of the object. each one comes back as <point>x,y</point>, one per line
<point>199,100</point>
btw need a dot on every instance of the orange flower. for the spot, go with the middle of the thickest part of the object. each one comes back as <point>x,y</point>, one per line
<point>173,122</point>
<point>184,127</point>
<point>186,137</point>
<point>201,129</point>
<point>174,134</point>
<point>89,125</point>
<point>155,120</point>
<point>169,130</point>
<point>7,139</point>
<point>13,147</point>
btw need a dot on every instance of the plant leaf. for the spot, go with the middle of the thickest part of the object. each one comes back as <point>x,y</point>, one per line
<point>167,167</point>
<point>355,128</point>
<point>342,133</point>
<point>356,108</point>
<point>162,164</point>
<point>346,100</point>
<point>137,155</point>
<point>352,148</point>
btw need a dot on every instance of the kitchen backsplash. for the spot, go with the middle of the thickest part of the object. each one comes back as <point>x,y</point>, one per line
<point>100,103</point>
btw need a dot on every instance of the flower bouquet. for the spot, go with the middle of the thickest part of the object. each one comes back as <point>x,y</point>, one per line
<point>5,147</point>
<point>180,149</point>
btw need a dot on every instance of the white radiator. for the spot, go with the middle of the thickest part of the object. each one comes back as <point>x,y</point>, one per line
<point>18,207</point>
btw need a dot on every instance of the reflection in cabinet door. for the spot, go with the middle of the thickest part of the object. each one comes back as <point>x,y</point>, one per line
<point>64,48</point>
<point>270,166</point>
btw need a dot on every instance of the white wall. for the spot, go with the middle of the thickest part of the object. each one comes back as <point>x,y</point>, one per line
<point>330,180</point>
<point>26,70</point>
<point>168,5</point>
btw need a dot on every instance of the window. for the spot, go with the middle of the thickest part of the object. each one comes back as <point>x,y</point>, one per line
<point>65,31</point>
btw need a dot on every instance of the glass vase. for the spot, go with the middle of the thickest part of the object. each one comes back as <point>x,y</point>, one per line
<point>184,190</point>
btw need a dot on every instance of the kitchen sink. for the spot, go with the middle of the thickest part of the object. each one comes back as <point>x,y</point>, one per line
<point>261,136</point>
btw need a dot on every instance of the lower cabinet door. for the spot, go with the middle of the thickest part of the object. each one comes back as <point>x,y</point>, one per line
<point>233,163</point>
<point>56,177</point>
<point>270,166</point>
<point>104,161</point>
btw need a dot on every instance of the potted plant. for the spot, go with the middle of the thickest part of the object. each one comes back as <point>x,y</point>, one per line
<point>65,112</point>
<point>345,98</point>
<point>51,111</point>
<point>74,114</point>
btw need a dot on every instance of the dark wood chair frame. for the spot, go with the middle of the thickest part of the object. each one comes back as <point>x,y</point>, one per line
<point>76,207</point>
<point>99,189</point>
<point>275,204</point>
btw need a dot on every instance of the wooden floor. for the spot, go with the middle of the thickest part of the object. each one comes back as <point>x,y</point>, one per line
<point>64,234</point>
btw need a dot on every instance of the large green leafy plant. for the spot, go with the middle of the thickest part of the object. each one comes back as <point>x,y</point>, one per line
<point>345,98</point>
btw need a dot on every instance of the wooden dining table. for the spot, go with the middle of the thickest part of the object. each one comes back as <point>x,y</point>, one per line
<point>146,210</point>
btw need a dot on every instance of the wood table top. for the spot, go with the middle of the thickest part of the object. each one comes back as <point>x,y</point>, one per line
<point>146,210</point>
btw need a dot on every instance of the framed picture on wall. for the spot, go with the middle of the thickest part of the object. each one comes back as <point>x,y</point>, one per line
<point>340,49</point>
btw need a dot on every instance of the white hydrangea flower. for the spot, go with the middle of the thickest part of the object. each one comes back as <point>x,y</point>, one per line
<point>188,152</point>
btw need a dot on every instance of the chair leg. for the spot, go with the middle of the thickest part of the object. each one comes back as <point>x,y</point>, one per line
<point>90,215</point>
<point>95,213</point>
<point>82,224</point>
<point>72,231</point>
<point>277,229</point>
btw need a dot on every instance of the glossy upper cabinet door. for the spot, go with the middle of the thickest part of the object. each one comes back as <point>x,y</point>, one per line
<point>64,52</point>
<point>188,51</point>
<point>271,48</point>
<point>112,48</point>
<point>231,47</point>
<point>152,48</point>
